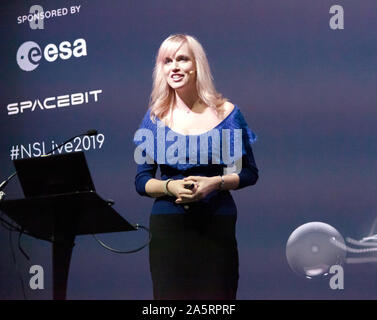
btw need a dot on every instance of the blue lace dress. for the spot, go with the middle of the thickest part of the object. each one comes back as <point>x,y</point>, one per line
<point>193,253</point>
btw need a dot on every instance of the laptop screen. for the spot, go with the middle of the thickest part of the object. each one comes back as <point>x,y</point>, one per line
<point>54,174</point>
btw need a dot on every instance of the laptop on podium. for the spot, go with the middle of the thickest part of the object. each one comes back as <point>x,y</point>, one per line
<point>54,174</point>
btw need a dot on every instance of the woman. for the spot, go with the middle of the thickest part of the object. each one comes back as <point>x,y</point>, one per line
<point>193,252</point>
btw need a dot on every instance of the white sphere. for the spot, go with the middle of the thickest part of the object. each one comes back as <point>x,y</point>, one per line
<point>313,248</point>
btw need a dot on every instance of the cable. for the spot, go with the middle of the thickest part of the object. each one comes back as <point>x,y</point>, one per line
<point>352,250</point>
<point>373,227</point>
<point>362,243</point>
<point>21,232</point>
<point>10,227</point>
<point>20,247</point>
<point>7,225</point>
<point>137,226</point>
<point>15,263</point>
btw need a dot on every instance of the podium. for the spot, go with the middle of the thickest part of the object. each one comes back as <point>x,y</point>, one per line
<point>59,217</point>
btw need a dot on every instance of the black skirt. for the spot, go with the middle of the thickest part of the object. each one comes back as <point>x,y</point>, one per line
<point>193,256</point>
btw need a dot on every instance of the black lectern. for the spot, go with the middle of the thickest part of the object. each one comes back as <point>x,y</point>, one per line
<point>60,203</point>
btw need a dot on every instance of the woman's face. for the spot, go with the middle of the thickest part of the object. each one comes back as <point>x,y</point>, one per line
<point>179,69</point>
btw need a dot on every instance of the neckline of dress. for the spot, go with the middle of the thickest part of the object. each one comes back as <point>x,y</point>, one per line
<point>196,135</point>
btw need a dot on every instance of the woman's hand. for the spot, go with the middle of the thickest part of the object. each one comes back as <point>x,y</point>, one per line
<point>203,186</point>
<point>177,188</point>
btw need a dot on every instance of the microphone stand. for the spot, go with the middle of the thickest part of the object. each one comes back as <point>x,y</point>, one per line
<point>4,183</point>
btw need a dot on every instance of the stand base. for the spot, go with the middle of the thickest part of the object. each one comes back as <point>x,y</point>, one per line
<point>61,258</point>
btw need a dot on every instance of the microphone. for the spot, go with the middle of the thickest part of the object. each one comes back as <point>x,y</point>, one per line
<point>3,184</point>
<point>92,132</point>
<point>189,186</point>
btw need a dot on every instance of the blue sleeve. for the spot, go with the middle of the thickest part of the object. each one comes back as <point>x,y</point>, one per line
<point>144,173</point>
<point>249,172</point>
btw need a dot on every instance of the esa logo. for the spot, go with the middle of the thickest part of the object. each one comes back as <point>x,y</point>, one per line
<point>29,54</point>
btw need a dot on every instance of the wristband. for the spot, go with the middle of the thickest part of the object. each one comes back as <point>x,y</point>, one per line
<point>166,191</point>
<point>221,183</point>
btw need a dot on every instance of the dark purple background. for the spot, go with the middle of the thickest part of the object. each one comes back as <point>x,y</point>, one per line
<point>309,92</point>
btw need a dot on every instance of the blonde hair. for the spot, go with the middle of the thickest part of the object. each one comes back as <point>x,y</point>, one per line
<point>162,96</point>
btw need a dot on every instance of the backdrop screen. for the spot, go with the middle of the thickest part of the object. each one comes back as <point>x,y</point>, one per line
<point>303,74</point>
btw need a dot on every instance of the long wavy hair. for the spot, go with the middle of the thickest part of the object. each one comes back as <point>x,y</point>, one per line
<point>162,96</point>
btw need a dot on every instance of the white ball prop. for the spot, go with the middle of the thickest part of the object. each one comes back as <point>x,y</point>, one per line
<point>313,248</point>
